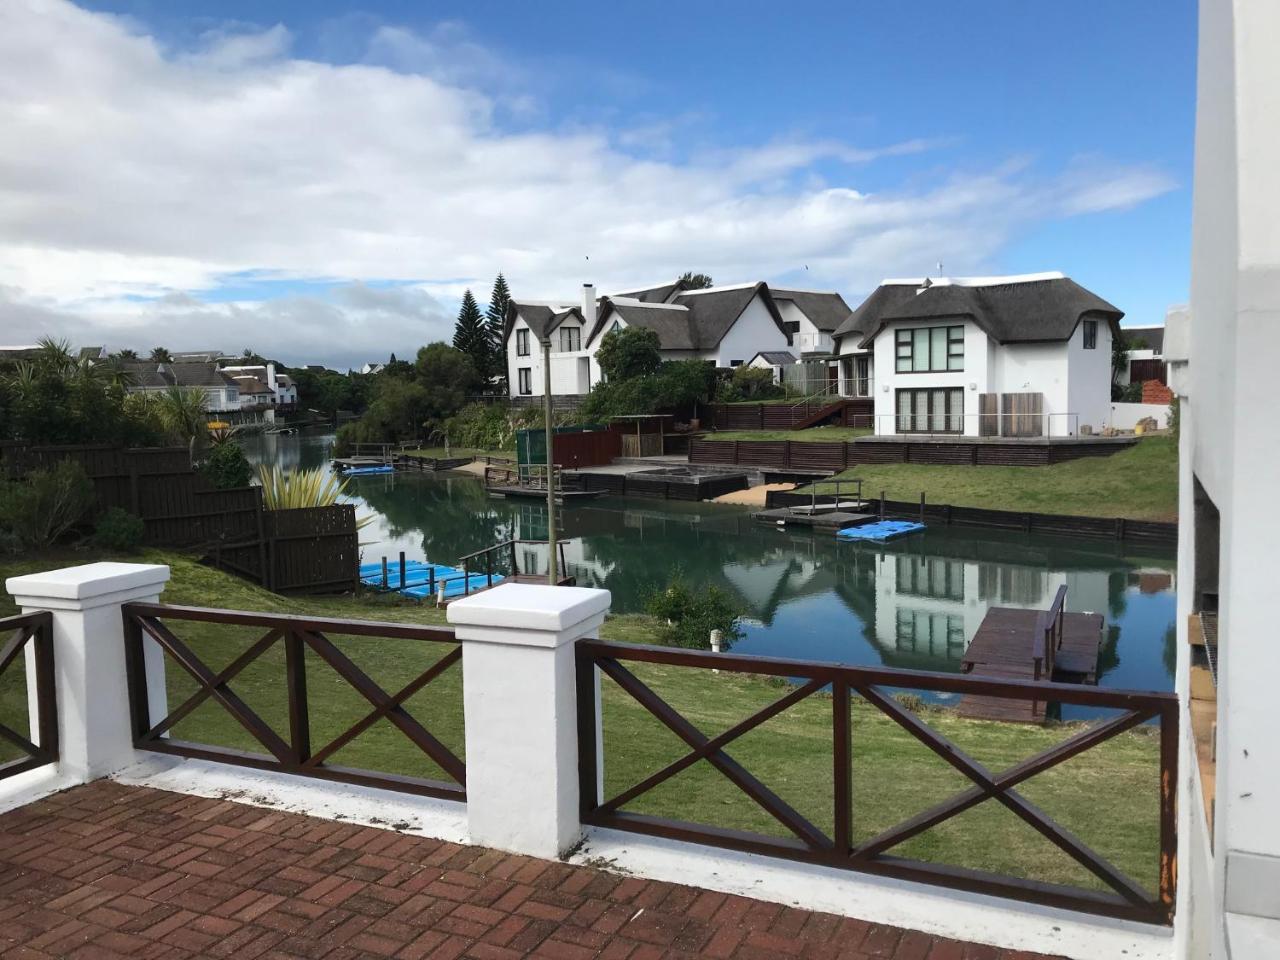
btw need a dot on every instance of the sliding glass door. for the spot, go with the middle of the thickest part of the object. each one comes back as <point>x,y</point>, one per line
<point>939,410</point>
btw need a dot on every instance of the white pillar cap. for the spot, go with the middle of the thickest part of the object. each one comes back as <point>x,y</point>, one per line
<point>528,613</point>
<point>88,585</point>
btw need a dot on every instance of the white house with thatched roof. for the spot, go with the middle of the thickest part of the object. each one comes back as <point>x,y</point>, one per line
<point>1020,356</point>
<point>726,326</point>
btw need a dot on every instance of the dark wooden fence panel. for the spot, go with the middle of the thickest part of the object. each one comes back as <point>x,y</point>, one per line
<point>818,456</point>
<point>589,448</point>
<point>312,550</point>
<point>1143,370</point>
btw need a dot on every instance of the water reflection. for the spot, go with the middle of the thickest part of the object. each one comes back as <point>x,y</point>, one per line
<point>911,604</point>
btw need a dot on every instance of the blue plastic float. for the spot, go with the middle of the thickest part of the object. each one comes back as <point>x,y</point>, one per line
<point>423,580</point>
<point>367,471</point>
<point>880,531</point>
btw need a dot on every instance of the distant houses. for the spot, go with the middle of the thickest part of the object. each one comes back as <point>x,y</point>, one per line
<point>725,326</point>
<point>228,389</point>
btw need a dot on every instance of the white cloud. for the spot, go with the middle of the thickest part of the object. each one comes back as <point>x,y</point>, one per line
<point>127,170</point>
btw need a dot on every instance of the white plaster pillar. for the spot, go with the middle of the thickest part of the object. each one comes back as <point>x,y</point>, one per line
<point>520,706</point>
<point>88,653</point>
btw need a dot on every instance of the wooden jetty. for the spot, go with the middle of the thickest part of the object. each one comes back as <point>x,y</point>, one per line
<point>1040,645</point>
<point>824,518</point>
<point>529,481</point>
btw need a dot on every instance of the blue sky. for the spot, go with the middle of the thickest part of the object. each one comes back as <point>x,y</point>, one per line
<point>998,137</point>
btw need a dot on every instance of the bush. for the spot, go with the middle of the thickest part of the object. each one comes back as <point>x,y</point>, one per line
<point>226,467</point>
<point>692,615</point>
<point>48,504</point>
<point>119,530</point>
<point>749,383</point>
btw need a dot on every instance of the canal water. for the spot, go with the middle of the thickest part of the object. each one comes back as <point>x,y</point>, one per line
<point>913,603</point>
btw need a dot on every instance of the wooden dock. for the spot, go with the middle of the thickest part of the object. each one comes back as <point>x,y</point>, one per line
<point>827,516</point>
<point>1039,645</point>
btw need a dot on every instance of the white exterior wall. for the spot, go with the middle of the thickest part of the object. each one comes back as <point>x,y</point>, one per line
<point>1235,334</point>
<point>753,332</point>
<point>973,379</point>
<point>809,339</point>
<point>567,368</point>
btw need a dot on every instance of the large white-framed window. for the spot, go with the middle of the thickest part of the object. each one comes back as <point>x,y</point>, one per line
<point>522,343</point>
<point>930,350</point>
<point>524,381</point>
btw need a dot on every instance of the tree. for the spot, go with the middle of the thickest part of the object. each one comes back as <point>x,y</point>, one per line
<point>495,321</point>
<point>695,281</point>
<point>629,353</point>
<point>1120,347</point>
<point>127,355</point>
<point>472,337</point>
<point>160,355</point>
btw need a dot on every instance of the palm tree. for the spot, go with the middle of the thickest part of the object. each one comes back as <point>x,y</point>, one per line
<point>161,355</point>
<point>127,355</point>
<point>54,357</point>
<point>183,412</point>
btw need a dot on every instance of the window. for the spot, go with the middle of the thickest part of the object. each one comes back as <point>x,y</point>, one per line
<point>522,343</point>
<point>526,381</point>
<point>617,327</point>
<point>792,326</point>
<point>1090,334</point>
<point>930,350</point>
<point>570,339</point>
<point>735,363</point>
<point>931,411</point>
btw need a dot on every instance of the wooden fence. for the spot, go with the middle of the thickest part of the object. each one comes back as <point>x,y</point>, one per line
<point>1154,532</point>
<point>308,550</point>
<point>800,454</point>
<point>785,416</point>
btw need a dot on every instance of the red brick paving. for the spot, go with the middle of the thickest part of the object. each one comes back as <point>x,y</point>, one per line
<point>104,871</point>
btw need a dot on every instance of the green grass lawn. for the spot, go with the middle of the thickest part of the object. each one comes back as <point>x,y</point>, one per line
<point>1138,483</point>
<point>1107,795</point>
<point>811,435</point>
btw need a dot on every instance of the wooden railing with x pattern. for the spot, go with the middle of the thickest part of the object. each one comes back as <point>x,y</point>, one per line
<point>33,631</point>
<point>1124,897</point>
<point>294,754</point>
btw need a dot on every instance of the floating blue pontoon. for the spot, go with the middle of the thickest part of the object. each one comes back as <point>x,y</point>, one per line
<point>880,531</point>
<point>367,471</point>
<point>422,581</point>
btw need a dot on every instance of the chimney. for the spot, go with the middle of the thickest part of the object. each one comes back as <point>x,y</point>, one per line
<point>588,305</point>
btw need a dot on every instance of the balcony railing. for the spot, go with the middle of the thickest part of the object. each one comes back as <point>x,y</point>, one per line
<point>308,647</point>
<point>18,635</point>
<point>803,840</point>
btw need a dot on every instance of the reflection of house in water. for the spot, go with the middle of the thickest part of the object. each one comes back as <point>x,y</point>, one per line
<point>928,607</point>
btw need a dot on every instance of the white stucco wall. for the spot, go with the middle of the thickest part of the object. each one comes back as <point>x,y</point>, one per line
<point>808,339</point>
<point>1235,334</point>
<point>888,381</point>
<point>754,331</point>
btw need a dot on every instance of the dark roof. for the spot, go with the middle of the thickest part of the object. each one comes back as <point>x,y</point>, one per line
<point>148,374</point>
<point>702,323</point>
<point>659,294</point>
<point>1025,311</point>
<point>540,317</point>
<point>826,311</point>
<point>777,358</point>
<point>1145,338</point>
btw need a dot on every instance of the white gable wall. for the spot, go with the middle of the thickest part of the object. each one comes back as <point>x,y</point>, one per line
<point>753,332</point>
<point>808,339</point>
<point>973,379</point>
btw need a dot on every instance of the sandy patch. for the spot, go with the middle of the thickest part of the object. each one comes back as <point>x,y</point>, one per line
<point>753,496</point>
<point>474,467</point>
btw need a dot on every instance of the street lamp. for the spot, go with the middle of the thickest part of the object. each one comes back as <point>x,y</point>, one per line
<point>552,575</point>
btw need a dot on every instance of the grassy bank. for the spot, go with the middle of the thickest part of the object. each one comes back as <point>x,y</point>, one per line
<point>811,435</point>
<point>1139,483</point>
<point>1107,795</point>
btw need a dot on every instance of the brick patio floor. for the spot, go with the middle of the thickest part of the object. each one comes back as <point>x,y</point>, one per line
<point>106,870</point>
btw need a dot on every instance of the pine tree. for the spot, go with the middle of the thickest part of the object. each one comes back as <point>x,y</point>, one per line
<point>471,337</point>
<point>495,324</point>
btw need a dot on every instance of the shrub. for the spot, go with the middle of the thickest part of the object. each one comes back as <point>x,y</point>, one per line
<point>226,467</point>
<point>749,383</point>
<point>48,504</point>
<point>119,530</point>
<point>692,615</point>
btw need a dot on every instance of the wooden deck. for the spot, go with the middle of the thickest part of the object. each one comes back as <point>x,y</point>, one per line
<point>849,513</point>
<point>540,493</point>
<point>1039,645</point>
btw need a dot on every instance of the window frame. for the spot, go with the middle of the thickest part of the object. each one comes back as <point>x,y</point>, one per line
<point>522,343</point>
<point>947,414</point>
<point>907,341</point>
<point>1089,333</point>
<point>524,381</point>
<point>570,329</point>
